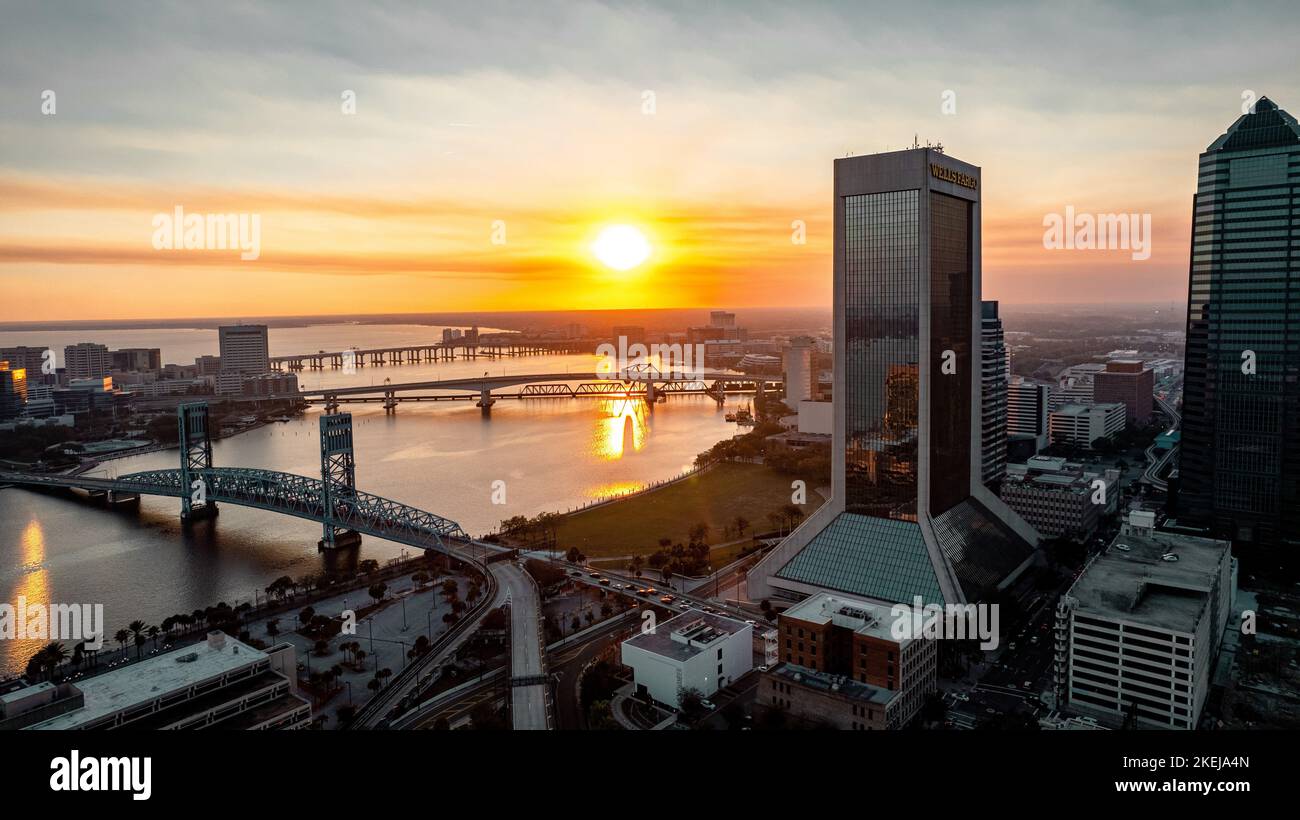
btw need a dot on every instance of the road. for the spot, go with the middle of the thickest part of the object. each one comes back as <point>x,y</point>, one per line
<point>529,707</point>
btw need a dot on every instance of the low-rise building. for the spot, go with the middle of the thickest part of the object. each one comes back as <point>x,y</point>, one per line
<point>828,641</point>
<point>1060,498</point>
<point>221,683</point>
<point>1082,424</point>
<point>1138,632</point>
<point>696,650</point>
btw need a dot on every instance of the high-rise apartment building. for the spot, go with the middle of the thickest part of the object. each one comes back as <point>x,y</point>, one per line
<point>86,360</point>
<point>909,514</point>
<point>800,378</point>
<point>993,395</point>
<point>1027,409</point>
<point>244,349</point>
<point>1240,454</point>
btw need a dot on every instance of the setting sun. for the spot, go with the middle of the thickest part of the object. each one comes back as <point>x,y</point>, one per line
<point>621,247</point>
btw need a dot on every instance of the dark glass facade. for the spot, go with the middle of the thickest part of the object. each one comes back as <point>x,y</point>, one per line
<point>882,281</point>
<point>1240,450</point>
<point>951,317</point>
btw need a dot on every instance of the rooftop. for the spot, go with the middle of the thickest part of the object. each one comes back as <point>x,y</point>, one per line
<point>152,678</point>
<point>1136,584</point>
<point>687,635</point>
<point>841,685</point>
<point>863,617</point>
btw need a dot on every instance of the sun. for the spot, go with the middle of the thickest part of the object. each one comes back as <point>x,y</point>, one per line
<point>621,247</point>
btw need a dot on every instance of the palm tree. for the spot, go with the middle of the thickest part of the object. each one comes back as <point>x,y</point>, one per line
<point>122,636</point>
<point>51,655</point>
<point>154,632</point>
<point>137,629</point>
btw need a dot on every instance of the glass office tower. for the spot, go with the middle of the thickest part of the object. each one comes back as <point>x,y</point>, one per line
<point>1240,452</point>
<point>909,514</point>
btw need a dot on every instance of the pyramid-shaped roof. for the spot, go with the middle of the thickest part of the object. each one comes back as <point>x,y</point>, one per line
<point>1267,127</point>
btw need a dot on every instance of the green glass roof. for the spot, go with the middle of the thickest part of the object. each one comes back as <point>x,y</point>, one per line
<point>862,555</point>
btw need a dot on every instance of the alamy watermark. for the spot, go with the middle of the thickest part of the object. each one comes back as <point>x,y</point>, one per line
<point>53,622</point>
<point>946,622</point>
<point>208,232</point>
<point>637,360</point>
<point>1086,232</point>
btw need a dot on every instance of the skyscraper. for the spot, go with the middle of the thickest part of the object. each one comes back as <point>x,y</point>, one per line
<point>993,401</point>
<point>909,514</point>
<point>1240,453</point>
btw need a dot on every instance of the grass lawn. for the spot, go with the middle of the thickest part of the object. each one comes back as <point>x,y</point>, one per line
<point>716,496</point>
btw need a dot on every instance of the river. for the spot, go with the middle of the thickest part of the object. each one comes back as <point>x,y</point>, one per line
<point>552,454</point>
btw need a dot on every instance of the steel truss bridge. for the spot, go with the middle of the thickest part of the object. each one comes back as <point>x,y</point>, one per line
<point>647,383</point>
<point>332,500</point>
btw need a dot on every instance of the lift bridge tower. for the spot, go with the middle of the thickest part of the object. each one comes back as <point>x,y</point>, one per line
<point>338,480</point>
<point>196,457</point>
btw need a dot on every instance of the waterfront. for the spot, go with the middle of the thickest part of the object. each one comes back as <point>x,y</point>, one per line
<point>552,454</point>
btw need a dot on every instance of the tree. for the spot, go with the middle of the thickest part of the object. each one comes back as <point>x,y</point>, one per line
<point>122,636</point>
<point>378,591</point>
<point>306,615</point>
<point>575,556</point>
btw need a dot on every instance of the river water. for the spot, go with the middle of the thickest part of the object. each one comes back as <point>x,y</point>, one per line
<point>552,454</point>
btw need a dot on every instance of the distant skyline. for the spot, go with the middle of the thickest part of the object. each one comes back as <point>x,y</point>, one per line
<point>532,127</point>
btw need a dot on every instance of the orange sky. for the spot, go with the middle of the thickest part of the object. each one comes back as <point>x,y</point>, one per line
<point>464,125</point>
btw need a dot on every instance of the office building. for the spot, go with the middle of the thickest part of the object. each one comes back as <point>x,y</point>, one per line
<point>1130,382</point>
<point>219,684</point>
<point>800,378</point>
<point>86,360</point>
<point>1027,409</point>
<point>1082,424</point>
<point>244,349</point>
<point>722,318</point>
<point>1060,499</point>
<point>13,391</point>
<point>635,334</point>
<point>842,664</point>
<point>1240,456</point>
<point>696,651</point>
<point>22,357</point>
<point>1138,632</point>
<point>909,514</point>
<point>993,395</point>
<point>138,359</point>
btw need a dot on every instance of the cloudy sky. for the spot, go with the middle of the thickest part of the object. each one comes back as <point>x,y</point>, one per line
<point>529,123</point>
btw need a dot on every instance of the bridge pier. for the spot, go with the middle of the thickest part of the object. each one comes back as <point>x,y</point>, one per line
<point>485,401</point>
<point>339,540</point>
<point>121,499</point>
<point>390,403</point>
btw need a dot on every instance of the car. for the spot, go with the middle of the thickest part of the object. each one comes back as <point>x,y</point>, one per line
<point>667,599</point>
<point>752,623</point>
<point>649,590</point>
<point>576,574</point>
<point>1029,684</point>
<point>629,586</point>
<point>763,668</point>
<point>1012,646</point>
<point>604,581</point>
<point>707,704</point>
<point>593,574</point>
<point>684,607</point>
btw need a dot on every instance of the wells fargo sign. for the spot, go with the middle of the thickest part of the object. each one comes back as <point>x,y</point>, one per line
<point>955,177</point>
